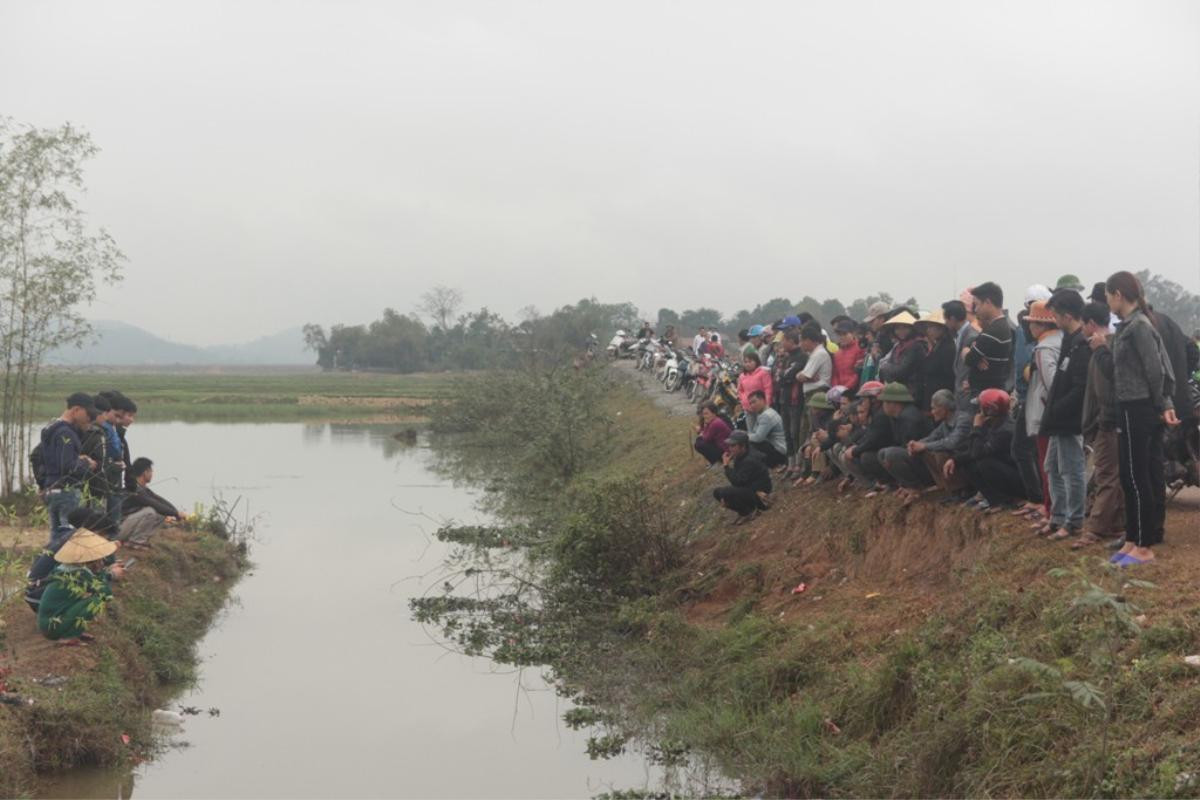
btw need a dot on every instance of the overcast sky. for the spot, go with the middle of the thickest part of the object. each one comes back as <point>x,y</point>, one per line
<point>267,164</point>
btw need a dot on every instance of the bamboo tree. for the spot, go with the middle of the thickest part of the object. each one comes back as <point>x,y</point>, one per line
<point>51,265</point>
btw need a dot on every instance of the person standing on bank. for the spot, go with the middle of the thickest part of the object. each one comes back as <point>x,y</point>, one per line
<point>1144,385</point>
<point>989,361</point>
<point>64,467</point>
<point>1106,516</point>
<point>1062,418</point>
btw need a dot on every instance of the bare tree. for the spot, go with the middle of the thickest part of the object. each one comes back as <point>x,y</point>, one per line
<point>51,264</point>
<point>440,304</point>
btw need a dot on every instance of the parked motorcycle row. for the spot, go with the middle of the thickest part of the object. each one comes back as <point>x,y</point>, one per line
<point>701,377</point>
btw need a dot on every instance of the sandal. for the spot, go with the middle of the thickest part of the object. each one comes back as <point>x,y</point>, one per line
<point>1085,539</point>
<point>1060,534</point>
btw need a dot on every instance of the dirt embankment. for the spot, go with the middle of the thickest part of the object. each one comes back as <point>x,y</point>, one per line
<point>90,705</point>
<point>890,567</point>
<point>846,645</point>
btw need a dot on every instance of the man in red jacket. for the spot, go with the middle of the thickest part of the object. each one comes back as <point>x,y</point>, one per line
<point>848,359</point>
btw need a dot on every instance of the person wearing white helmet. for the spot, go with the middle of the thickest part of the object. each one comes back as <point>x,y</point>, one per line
<point>1024,445</point>
<point>1036,292</point>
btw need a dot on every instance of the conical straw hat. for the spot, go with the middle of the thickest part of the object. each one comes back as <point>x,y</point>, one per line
<point>85,546</point>
<point>903,318</point>
<point>934,317</point>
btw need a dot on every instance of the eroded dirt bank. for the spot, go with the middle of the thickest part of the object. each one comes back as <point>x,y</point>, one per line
<point>843,645</point>
<point>91,705</point>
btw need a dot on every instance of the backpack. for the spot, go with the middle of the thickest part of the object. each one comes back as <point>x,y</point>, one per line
<point>37,456</point>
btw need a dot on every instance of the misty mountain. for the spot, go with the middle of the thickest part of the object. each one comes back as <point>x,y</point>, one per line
<point>120,344</point>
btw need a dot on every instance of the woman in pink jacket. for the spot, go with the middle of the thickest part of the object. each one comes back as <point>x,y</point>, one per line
<point>753,379</point>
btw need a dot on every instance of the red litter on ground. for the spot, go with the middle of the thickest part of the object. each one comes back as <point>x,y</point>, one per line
<point>801,588</point>
<point>125,738</point>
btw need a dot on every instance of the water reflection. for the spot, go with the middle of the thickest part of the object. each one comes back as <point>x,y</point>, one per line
<point>325,684</point>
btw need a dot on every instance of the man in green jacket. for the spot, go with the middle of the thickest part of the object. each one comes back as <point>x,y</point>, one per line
<point>78,588</point>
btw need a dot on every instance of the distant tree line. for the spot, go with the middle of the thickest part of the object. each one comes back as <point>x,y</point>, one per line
<point>438,337</point>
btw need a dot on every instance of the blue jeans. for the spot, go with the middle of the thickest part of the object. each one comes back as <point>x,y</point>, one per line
<point>1065,474</point>
<point>59,504</point>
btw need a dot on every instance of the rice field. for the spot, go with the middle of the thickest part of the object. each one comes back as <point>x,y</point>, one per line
<point>249,396</point>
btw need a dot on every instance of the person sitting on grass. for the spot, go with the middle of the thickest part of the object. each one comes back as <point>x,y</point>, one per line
<point>78,588</point>
<point>43,563</point>
<point>145,511</point>
<point>749,489</point>
<point>766,436</point>
<point>711,433</point>
<point>986,457</point>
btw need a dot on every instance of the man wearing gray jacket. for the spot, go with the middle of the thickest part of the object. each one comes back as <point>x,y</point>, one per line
<point>767,438</point>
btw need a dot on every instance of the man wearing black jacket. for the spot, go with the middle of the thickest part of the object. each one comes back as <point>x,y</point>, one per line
<point>749,479</point>
<point>986,456</point>
<point>862,457</point>
<point>989,361</point>
<point>790,396</point>
<point>908,425</point>
<point>1062,419</point>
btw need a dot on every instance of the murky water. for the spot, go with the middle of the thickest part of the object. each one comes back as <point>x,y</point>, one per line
<point>325,686</point>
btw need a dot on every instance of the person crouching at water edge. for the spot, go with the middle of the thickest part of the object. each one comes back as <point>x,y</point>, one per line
<point>144,512</point>
<point>750,481</point>
<point>78,588</point>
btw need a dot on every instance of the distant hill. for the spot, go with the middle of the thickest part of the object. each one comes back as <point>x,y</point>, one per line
<point>119,344</point>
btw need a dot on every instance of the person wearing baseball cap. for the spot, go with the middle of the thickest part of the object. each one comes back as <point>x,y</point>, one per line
<point>749,486</point>
<point>60,467</point>
<point>987,458</point>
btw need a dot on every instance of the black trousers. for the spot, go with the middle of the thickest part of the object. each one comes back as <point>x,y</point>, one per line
<point>770,456</point>
<point>709,450</point>
<point>996,479</point>
<point>1025,453</point>
<point>1140,441</point>
<point>874,468</point>
<point>741,499</point>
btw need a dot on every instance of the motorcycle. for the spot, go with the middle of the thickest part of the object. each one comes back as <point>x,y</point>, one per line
<point>621,345</point>
<point>697,382</point>
<point>724,391</point>
<point>677,374</point>
<point>646,351</point>
<point>1183,447</point>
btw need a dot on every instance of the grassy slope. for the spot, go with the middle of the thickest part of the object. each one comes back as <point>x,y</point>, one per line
<point>890,675</point>
<point>144,645</point>
<point>244,396</point>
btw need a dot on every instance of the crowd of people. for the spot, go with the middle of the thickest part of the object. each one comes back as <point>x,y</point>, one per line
<point>98,501</point>
<point>1001,415</point>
